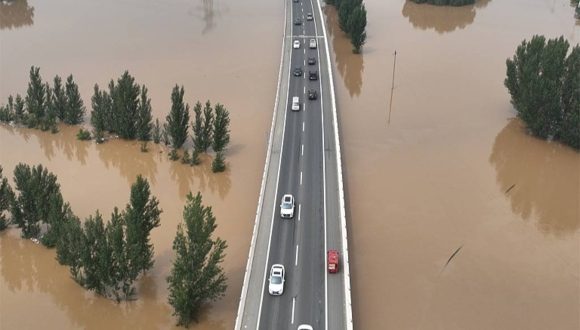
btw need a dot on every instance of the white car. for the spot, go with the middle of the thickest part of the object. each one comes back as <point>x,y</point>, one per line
<point>304,327</point>
<point>312,43</point>
<point>296,44</point>
<point>287,206</point>
<point>277,279</point>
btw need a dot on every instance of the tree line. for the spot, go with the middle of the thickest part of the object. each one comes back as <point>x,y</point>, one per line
<point>123,109</point>
<point>446,2</point>
<point>543,79</point>
<point>45,105</point>
<point>352,18</point>
<point>108,257</point>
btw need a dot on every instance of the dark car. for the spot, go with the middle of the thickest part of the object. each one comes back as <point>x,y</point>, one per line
<point>312,94</point>
<point>297,21</point>
<point>312,75</point>
<point>311,60</point>
<point>295,0</point>
<point>297,71</point>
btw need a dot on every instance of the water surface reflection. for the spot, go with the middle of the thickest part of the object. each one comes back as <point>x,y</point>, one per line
<point>532,173</point>
<point>15,14</point>
<point>350,66</point>
<point>441,18</point>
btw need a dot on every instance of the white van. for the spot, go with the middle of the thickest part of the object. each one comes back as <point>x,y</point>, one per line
<point>312,43</point>
<point>295,103</point>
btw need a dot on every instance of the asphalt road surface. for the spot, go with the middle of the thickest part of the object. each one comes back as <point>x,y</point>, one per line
<point>301,162</point>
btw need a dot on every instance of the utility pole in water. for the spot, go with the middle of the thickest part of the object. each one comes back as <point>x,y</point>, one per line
<point>392,87</point>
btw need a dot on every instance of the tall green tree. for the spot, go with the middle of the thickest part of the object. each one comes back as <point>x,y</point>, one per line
<point>144,123</point>
<point>178,118</point>
<point>35,187</point>
<point>357,23</point>
<point>19,108</point>
<point>6,196</point>
<point>221,128</point>
<point>142,215</point>
<point>35,95</point>
<point>198,129</point>
<point>69,246</point>
<point>543,85</point>
<point>125,97</point>
<point>196,276</point>
<point>157,132</point>
<point>59,97</point>
<point>570,130</point>
<point>100,112</point>
<point>208,118</point>
<point>51,115</point>
<point>75,109</point>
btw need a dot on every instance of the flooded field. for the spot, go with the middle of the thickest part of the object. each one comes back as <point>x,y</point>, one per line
<point>189,43</point>
<point>439,169</point>
<point>458,219</point>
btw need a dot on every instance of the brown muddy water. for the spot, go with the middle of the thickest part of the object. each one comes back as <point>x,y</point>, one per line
<point>209,47</point>
<point>442,166</point>
<point>446,168</point>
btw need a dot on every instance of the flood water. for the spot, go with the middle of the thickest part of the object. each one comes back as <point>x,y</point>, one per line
<point>189,43</point>
<point>438,166</point>
<point>443,166</point>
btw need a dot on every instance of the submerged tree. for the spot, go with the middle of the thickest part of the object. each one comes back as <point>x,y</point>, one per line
<point>196,275</point>
<point>198,129</point>
<point>144,123</point>
<point>125,97</point>
<point>357,23</point>
<point>35,96</point>
<point>6,196</point>
<point>221,128</point>
<point>208,118</point>
<point>142,214</point>
<point>35,201</point>
<point>544,88</point>
<point>75,109</point>
<point>178,118</point>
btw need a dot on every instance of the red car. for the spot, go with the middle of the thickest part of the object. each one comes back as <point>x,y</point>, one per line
<point>332,261</point>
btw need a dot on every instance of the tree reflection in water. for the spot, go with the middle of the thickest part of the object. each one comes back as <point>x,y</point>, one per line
<point>540,179</point>
<point>441,18</point>
<point>349,65</point>
<point>15,14</point>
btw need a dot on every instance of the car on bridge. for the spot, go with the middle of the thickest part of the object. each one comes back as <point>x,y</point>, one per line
<point>298,21</point>
<point>311,60</point>
<point>309,17</point>
<point>312,94</point>
<point>277,274</point>
<point>312,43</point>
<point>332,261</point>
<point>313,75</point>
<point>287,206</point>
<point>305,327</point>
<point>296,44</point>
<point>297,71</point>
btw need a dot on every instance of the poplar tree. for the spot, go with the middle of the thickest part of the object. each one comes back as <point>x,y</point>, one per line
<point>357,23</point>
<point>178,118</point>
<point>197,276</point>
<point>6,196</point>
<point>32,205</point>
<point>157,132</point>
<point>198,129</point>
<point>125,97</point>
<point>144,123</point>
<point>99,112</point>
<point>59,99</point>
<point>75,109</point>
<point>221,130</point>
<point>35,97</point>
<point>142,214</point>
<point>207,126</point>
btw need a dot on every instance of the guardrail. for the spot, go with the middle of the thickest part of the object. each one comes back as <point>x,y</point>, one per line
<point>347,288</point>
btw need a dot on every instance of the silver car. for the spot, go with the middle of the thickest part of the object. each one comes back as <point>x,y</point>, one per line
<point>277,274</point>
<point>296,44</point>
<point>287,206</point>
